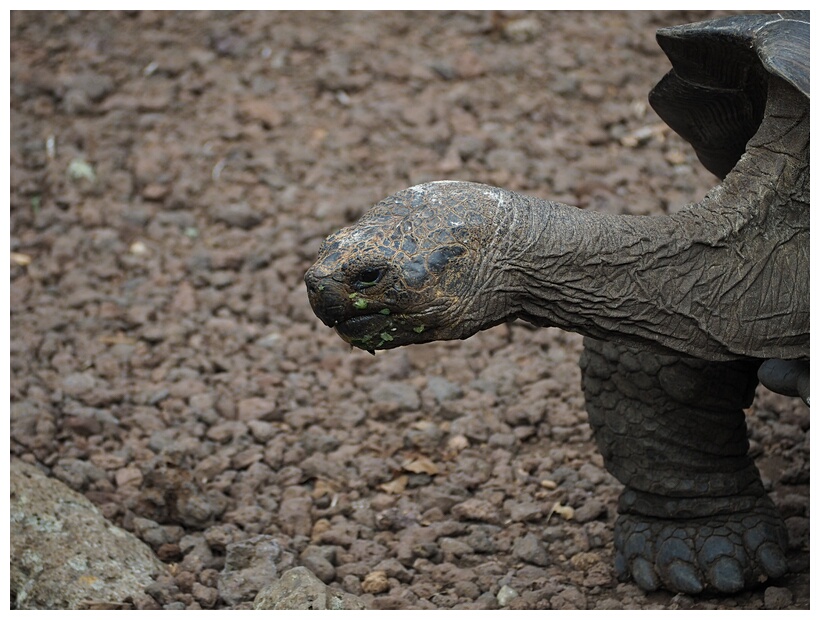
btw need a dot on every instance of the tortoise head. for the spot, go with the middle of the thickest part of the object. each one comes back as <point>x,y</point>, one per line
<point>406,272</point>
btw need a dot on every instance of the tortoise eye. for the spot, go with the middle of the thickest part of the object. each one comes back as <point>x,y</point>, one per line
<point>368,277</point>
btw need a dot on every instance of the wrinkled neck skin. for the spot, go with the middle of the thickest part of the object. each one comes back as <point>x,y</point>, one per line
<point>715,280</point>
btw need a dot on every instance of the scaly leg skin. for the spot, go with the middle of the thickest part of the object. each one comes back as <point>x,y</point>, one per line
<point>694,516</point>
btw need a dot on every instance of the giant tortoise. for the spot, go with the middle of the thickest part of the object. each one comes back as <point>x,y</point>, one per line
<point>682,314</point>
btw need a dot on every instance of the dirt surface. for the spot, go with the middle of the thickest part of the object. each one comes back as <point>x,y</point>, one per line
<point>172,176</point>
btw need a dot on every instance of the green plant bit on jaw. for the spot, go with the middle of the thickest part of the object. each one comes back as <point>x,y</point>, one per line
<point>418,329</point>
<point>360,304</point>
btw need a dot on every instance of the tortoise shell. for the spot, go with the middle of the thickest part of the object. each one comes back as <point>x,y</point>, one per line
<point>715,95</point>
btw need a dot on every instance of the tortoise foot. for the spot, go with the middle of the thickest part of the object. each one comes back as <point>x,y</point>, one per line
<point>723,553</point>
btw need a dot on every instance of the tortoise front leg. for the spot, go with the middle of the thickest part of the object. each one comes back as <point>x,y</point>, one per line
<point>694,515</point>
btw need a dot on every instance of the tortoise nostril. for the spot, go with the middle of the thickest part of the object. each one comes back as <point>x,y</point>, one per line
<point>313,282</point>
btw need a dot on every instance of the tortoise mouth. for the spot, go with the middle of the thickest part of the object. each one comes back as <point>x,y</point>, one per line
<point>365,331</point>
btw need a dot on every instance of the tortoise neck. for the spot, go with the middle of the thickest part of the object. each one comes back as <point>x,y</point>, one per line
<point>722,279</point>
<point>613,277</point>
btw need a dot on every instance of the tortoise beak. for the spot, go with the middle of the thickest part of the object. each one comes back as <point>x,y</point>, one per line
<point>327,298</point>
<point>359,326</point>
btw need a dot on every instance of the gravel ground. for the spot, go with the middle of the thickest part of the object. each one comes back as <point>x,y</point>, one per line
<point>172,176</point>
